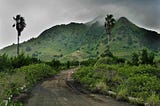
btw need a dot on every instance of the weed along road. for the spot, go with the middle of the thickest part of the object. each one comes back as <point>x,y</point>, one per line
<point>55,92</point>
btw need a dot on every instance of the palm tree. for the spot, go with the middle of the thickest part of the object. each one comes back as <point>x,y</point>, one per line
<point>109,24</point>
<point>20,25</point>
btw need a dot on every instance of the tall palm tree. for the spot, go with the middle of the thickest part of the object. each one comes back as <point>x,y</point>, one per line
<point>20,25</point>
<point>109,24</point>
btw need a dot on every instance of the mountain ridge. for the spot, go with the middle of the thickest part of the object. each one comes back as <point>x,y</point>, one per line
<point>78,41</point>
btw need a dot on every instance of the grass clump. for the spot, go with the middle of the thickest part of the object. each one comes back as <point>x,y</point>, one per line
<point>153,100</point>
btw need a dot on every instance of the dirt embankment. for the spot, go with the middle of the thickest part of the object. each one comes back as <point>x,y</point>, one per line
<point>55,92</point>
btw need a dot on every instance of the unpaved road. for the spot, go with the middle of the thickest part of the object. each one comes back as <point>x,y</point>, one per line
<point>55,92</point>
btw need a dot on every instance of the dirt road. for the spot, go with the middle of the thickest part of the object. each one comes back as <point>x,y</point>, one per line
<point>55,92</point>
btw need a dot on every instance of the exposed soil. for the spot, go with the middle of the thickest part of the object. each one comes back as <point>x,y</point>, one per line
<point>56,92</point>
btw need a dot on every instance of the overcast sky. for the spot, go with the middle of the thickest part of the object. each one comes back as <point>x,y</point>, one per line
<point>43,14</point>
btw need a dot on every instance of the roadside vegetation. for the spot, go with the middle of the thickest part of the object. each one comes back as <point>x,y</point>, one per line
<point>19,74</point>
<point>136,81</point>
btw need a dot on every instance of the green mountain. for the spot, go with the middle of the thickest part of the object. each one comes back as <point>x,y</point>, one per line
<point>127,37</point>
<point>78,41</point>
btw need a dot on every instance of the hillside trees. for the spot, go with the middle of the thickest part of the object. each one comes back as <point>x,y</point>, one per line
<point>7,63</point>
<point>135,59</point>
<point>143,58</point>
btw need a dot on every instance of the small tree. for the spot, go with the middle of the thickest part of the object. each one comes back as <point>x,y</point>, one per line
<point>151,57</point>
<point>109,24</point>
<point>20,25</point>
<point>144,57</point>
<point>135,59</point>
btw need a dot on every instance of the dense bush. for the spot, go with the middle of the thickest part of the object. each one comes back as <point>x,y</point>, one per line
<point>107,53</point>
<point>36,72</point>
<point>18,74</point>
<point>128,71</point>
<point>142,86</point>
<point>22,79</point>
<point>94,78</point>
<point>110,60</point>
<point>143,58</point>
<point>55,64</point>
<point>89,62</point>
<point>7,63</point>
<point>136,81</point>
<point>84,74</point>
<point>22,60</point>
<point>153,100</point>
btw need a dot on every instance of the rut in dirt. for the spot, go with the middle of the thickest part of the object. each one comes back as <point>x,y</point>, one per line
<point>55,92</point>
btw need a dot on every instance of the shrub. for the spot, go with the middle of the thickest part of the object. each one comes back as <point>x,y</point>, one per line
<point>89,62</point>
<point>101,87</point>
<point>153,100</point>
<point>85,77</point>
<point>107,53</point>
<point>122,94</point>
<point>143,58</point>
<point>55,64</point>
<point>82,72</point>
<point>22,60</point>
<point>5,63</point>
<point>142,85</point>
<point>137,82</point>
<point>36,72</point>
<point>105,60</point>
<point>135,59</point>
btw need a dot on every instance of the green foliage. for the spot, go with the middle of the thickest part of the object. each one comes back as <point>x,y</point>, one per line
<point>54,64</point>
<point>151,58</point>
<point>143,58</point>
<point>99,77</point>
<point>16,104</point>
<point>142,85</point>
<point>101,87</point>
<point>110,60</point>
<point>11,84</point>
<point>122,94</point>
<point>89,62</point>
<point>153,100</point>
<point>5,63</point>
<point>37,72</point>
<point>84,76</point>
<point>21,80</point>
<point>74,63</point>
<point>106,60</point>
<point>22,60</point>
<point>135,59</point>
<point>135,81</point>
<point>106,53</point>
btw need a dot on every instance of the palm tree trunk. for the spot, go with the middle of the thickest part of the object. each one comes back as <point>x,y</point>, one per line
<point>108,39</point>
<point>18,43</point>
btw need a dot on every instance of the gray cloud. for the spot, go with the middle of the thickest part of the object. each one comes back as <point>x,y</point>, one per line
<point>42,14</point>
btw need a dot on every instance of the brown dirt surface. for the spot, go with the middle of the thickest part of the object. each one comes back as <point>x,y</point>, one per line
<point>55,92</point>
